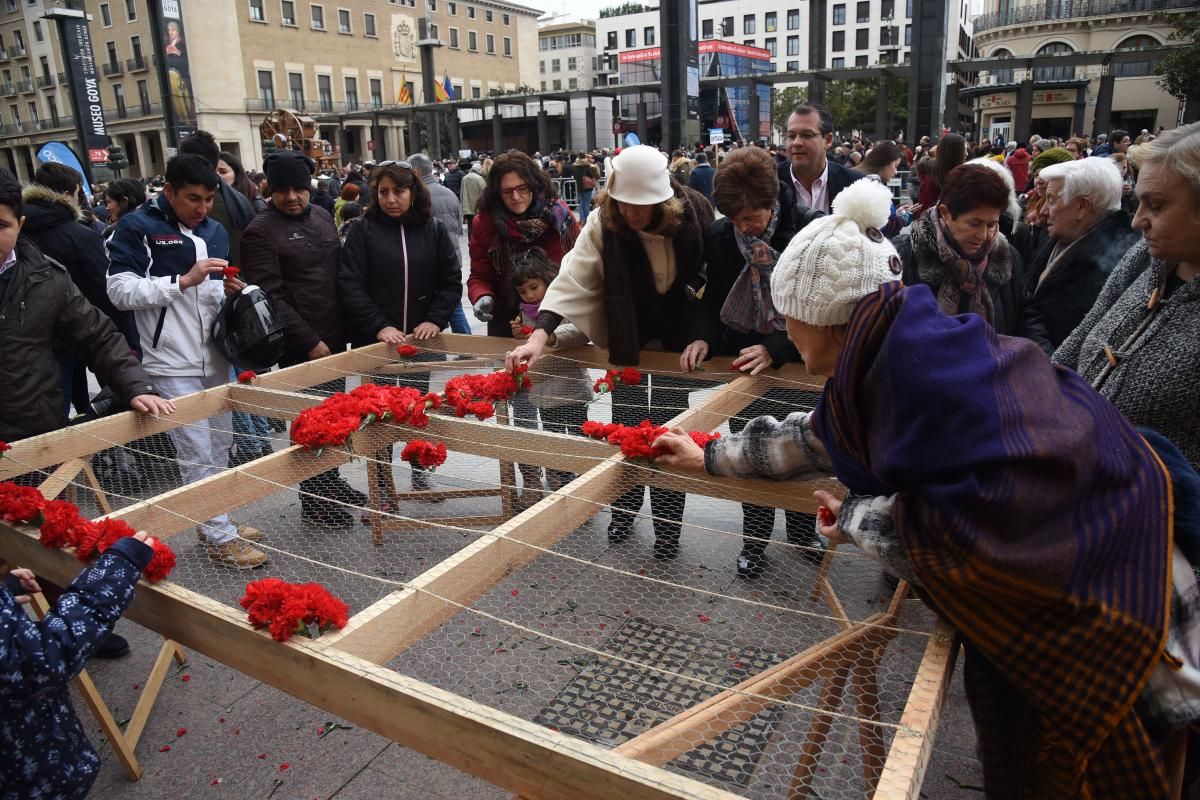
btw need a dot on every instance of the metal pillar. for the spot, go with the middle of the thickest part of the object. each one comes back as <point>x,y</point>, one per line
<point>1023,122</point>
<point>426,45</point>
<point>816,88</point>
<point>753,131</point>
<point>455,132</point>
<point>543,129</point>
<point>882,98</point>
<point>642,126</point>
<point>497,129</point>
<point>928,73</point>
<point>950,114</point>
<point>1104,100</point>
<point>616,115</point>
<point>1080,107</point>
<point>569,140</point>
<point>590,126</point>
<point>380,153</point>
<point>677,25</point>
<point>414,134</point>
<point>818,24</point>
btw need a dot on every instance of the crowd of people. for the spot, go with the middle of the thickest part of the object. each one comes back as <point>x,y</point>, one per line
<point>1013,355</point>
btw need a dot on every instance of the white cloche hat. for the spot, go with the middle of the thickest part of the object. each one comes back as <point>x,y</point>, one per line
<point>639,176</point>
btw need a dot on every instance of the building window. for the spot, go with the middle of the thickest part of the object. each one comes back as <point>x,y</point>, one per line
<point>135,43</point>
<point>376,93</point>
<point>144,96</point>
<point>839,14</point>
<point>887,9</point>
<point>476,92</point>
<point>838,63</point>
<point>118,95</point>
<point>130,10</point>
<point>770,22</point>
<point>112,53</point>
<point>296,90</point>
<point>631,37</point>
<point>256,11</point>
<point>908,35</point>
<point>351,85</point>
<point>473,41</point>
<point>487,15</point>
<point>612,40</point>
<point>452,9</point>
<point>706,29</point>
<point>266,88</point>
<point>862,38</point>
<point>769,44</point>
<point>557,85</point>
<point>470,12</point>
<point>1047,74</point>
<point>793,19</point>
<point>572,64</point>
<point>793,46</point>
<point>105,14</point>
<point>573,83</point>
<point>325,92</point>
<point>908,9</point>
<point>490,42</point>
<point>433,5</point>
<point>287,12</point>
<point>344,20</point>
<point>555,65</point>
<point>507,19</point>
<point>542,67</point>
<point>727,26</point>
<point>860,61</point>
<point>749,25</point>
<point>508,45</point>
<point>648,35</point>
<point>318,17</point>
<point>793,66</point>
<point>839,41</point>
<point>863,12</point>
<point>37,31</point>
<point>369,26</point>
<point>454,38</point>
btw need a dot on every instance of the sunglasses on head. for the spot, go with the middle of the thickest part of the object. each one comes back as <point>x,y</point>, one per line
<point>400,164</point>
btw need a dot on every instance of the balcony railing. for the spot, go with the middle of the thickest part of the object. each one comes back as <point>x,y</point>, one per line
<point>25,86</point>
<point>62,79</point>
<point>136,64</point>
<point>3,54</point>
<point>1073,9</point>
<point>18,52</point>
<point>8,89</point>
<point>145,109</point>
<point>114,68</point>
<point>45,82</point>
<point>261,103</point>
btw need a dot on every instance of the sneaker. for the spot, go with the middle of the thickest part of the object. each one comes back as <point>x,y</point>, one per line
<point>619,531</point>
<point>325,514</point>
<point>245,531</point>
<point>113,647</point>
<point>237,554</point>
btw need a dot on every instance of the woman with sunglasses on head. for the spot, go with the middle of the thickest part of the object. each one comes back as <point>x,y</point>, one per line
<point>518,210</point>
<point>399,274</point>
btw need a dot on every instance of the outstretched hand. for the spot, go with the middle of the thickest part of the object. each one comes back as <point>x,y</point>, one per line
<point>827,517</point>
<point>682,451</point>
<point>527,353</point>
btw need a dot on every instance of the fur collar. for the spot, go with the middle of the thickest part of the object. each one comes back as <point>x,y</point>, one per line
<point>35,192</point>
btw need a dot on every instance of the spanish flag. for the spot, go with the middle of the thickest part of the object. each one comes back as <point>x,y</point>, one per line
<point>440,93</point>
<point>404,97</point>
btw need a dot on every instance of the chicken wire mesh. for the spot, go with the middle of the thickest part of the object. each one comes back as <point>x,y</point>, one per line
<point>539,574</point>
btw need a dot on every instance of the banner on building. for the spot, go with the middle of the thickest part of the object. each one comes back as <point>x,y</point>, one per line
<point>175,76</point>
<point>60,153</point>
<point>85,89</point>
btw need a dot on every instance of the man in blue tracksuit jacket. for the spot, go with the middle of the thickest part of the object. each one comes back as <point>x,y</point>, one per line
<point>165,265</point>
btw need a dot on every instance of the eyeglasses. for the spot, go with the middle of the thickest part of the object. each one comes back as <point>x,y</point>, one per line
<point>400,164</point>
<point>808,134</point>
<point>517,191</point>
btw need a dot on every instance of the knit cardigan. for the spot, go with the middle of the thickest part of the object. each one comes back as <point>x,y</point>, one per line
<point>1156,380</point>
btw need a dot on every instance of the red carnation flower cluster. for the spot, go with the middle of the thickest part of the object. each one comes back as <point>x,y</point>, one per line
<point>637,442</point>
<point>231,272</point>
<point>63,526</point>
<point>287,608</point>
<point>245,376</point>
<point>332,422</point>
<point>424,454</point>
<point>478,394</point>
<point>628,376</point>
<point>3,447</point>
<point>526,330</point>
<point>407,350</point>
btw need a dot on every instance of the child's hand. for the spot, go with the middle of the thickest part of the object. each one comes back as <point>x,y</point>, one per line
<point>515,324</point>
<point>28,582</point>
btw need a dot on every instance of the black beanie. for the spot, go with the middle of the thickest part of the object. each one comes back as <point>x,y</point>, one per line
<point>287,169</point>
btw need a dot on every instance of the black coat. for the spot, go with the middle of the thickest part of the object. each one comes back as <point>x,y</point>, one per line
<point>295,261</point>
<point>1067,294</point>
<point>723,263</point>
<point>371,276</point>
<point>453,181</point>
<point>41,307</point>
<point>701,180</point>
<point>56,225</point>
<point>1015,313</point>
<point>839,178</point>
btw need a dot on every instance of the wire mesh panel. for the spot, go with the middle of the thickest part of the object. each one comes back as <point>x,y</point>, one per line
<point>587,601</point>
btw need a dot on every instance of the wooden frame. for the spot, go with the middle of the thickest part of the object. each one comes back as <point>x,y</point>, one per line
<point>343,672</point>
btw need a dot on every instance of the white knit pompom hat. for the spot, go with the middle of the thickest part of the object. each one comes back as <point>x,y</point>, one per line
<point>835,261</point>
<point>639,176</point>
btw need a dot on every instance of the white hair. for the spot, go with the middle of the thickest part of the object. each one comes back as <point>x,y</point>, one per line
<point>1014,208</point>
<point>1095,178</point>
<point>1179,152</point>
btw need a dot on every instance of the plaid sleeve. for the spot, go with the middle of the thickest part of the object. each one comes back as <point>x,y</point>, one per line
<point>768,448</point>
<point>867,522</point>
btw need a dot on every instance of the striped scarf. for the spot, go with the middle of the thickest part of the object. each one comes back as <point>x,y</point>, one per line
<point>1038,523</point>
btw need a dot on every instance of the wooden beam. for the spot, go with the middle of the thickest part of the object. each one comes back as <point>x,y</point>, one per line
<point>912,747</point>
<point>81,441</point>
<point>498,747</point>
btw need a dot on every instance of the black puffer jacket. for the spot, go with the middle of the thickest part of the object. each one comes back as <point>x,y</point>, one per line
<point>1067,293</point>
<point>60,230</point>
<point>41,306</point>
<point>380,287</point>
<point>295,261</point>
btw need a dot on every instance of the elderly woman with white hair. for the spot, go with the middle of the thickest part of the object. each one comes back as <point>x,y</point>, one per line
<point>1089,234</point>
<point>624,285</point>
<point>1139,345</point>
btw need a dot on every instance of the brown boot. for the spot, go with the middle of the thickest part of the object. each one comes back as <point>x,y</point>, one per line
<point>237,554</point>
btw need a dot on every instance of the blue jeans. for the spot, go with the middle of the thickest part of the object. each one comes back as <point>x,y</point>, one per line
<point>458,320</point>
<point>585,204</point>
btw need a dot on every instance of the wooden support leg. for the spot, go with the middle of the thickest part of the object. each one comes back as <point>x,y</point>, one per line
<point>818,732</point>
<point>508,470</point>
<point>63,479</point>
<point>137,721</point>
<point>866,692</point>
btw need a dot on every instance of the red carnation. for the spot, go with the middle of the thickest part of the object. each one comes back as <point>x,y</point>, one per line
<point>407,350</point>
<point>603,385</point>
<point>701,438</point>
<point>4,446</point>
<point>526,330</point>
<point>245,376</point>
<point>825,516</point>
<point>161,563</point>
<point>424,454</point>
<point>20,503</point>
<point>287,608</point>
<point>100,537</point>
<point>631,376</point>
<point>62,524</point>
<point>231,272</point>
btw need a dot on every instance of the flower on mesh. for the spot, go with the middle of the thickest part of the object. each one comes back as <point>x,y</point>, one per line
<point>4,446</point>
<point>247,375</point>
<point>407,350</point>
<point>100,537</point>
<point>421,453</point>
<point>20,503</point>
<point>289,608</point>
<point>62,525</point>
<point>701,438</point>
<point>638,441</point>
<point>627,376</point>
<point>231,272</point>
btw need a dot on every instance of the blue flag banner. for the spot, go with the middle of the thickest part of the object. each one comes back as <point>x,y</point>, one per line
<point>59,153</point>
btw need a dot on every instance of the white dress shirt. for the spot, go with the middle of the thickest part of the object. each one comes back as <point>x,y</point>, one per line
<point>818,198</point>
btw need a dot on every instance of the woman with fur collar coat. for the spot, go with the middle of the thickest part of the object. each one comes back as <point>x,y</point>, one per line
<point>623,285</point>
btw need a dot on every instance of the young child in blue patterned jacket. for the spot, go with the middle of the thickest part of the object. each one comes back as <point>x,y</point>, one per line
<point>44,752</point>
